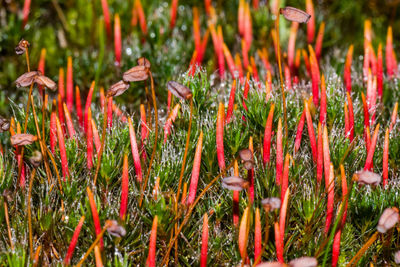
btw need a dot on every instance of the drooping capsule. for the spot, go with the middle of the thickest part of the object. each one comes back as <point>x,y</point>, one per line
<point>45,81</point>
<point>294,14</point>
<point>367,177</point>
<point>271,203</point>
<point>136,74</point>
<point>115,229</point>
<point>117,89</point>
<point>23,139</point>
<point>179,90</point>
<point>26,79</point>
<point>388,219</point>
<point>234,183</point>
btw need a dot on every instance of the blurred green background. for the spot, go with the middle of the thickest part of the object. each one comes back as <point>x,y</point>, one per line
<point>75,28</point>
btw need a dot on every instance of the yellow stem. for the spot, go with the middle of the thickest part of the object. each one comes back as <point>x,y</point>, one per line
<point>8,225</point>
<point>29,213</point>
<point>364,248</point>
<point>155,140</point>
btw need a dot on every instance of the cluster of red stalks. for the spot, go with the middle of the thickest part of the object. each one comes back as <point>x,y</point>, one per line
<point>242,68</point>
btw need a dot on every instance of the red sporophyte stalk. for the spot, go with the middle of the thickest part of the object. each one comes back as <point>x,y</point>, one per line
<point>70,85</point>
<point>169,100</point>
<point>117,40</point>
<point>61,114</point>
<point>391,63</point>
<point>379,73</point>
<point>102,98</point>
<point>208,6</point>
<point>282,220</point>
<point>245,54</point>
<point>248,27</point>
<point>371,150</point>
<point>279,249</point>
<point>203,47</point>
<point>124,189</point>
<point>204,242</point>
<point>173,12</point>
<point>106,15</point>
<point>263,54</point>
<point>78,104</point>
<point>288,78</point>
<point>285,177</point>
<point>366,68</point>
<point>336,241</point>
<point>331,198</point>
<point>257,236</point>
<point>319,41</point>
<point>135,151</point>
<point>267,135</point>
<point>61,90</point>
<point>142,16</point>
<point>69,123</point>
<point>255,71</point>
<point>96,137</point>
<point>229,60</point>
<point>74,241</point>
<point>236,195</point>
<point>243,234</point>
<point>41,65</point>
<point>311,131</point>
<point>95,215</point>
<point>220,136</point>
<point>299,132</point>
<point>311,22</point>
<point>196,29</point>
<point>53,127</point>
<point>347,69</point>
<point>268,86</point>
<point>306,61</point>
<point>231,103</point>
<point>346,122</point>
<point>63,152</point>
<point>218,50</point>
<point>89,141</point>
<point>327,157</point>
<point>385,158</point>
<point>171,118</point>
<point>143,123</point>
<point>151,258</point>
<point>393,117</point>
<point>323,106</point>
<point>320,155</point>
<point>192,64</point>
<point>292,45</point>
<point>279,153</point>
<point>109,112</point>
<point>250,173</point>
<point>315,75</point>
<point>351,116</point>
<point>238,64</point>
<point>366,113</point>
<point>87,105</point>
<point>246,90</point>
<point>367,139</point>
<point>195,171</point>
<point>241,17</point>
<point>371,95</point>
<point>25,12</point>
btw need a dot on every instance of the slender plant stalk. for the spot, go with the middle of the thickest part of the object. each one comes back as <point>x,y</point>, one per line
<point>99,236</point>
<point>364,248</point>
<point>8,225</point>
<point>103,137</point>
<point>281,76</point>
<point>36,256</point>
<point>153,154</point>
<point>29,213</point>
<point>186,150</point>
<point>190,210</point>
<point>41,142</point>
